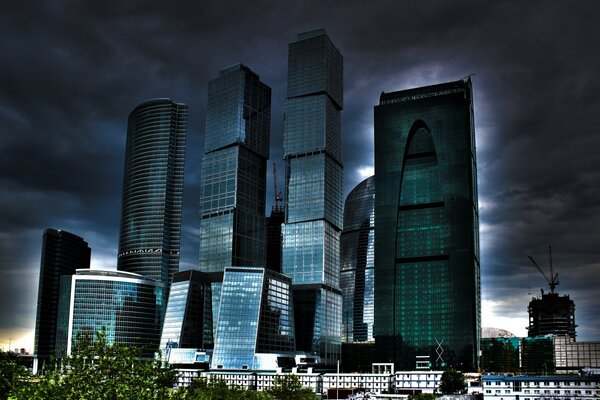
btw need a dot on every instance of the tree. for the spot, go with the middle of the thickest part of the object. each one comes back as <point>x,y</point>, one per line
<point>422,396</point>
<point>288,387</point>
<point>97,370</point>
<point>12,375</point>
<point>215,389</point>
<point>452,381</point>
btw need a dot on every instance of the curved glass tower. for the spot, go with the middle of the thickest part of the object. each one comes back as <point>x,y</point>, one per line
<point>427,288</point>
<point>127,305</point>
<point>357,248</point>
<point>152,190</point>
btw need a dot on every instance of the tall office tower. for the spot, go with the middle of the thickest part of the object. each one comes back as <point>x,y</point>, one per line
<point>551,314</point>
<point>188,319</point>
<point>127,306</point>
<point>233,186</point>
<point>427,286</point>
<point>314,178</point>
<point>357,277</point>
<point>62,254</point>
<point>255,329</point>
<point>150,234</point>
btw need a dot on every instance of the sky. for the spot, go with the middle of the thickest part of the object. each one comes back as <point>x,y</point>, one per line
<point>71,71</point>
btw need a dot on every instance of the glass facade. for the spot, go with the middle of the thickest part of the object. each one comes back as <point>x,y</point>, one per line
<point>314,192</point>
<point>127,305</point>
<point>188,319</point>
<point>357,256</point>
<point>233,187</point>
<point>255,317</point>
<point>571,357</point>
<point>150,233</point>
<point>427,283</point>
<point>62,254</point>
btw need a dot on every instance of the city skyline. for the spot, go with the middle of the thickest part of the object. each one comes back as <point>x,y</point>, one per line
<point>68,82</point>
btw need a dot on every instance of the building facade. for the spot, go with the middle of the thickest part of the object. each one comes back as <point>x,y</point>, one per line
<point>427,285</point>
<point>150,232</point>
<point>273,224</point>
<point>542,387</point>
<point>357,256</point>
<point>127,306</point>
<point>62,254</point>
<point>255,328</point>
<point>551,314</point>
<point>233,186</point>
<point>314,192</point>
<point>570,356</point>
<point>188,319</point>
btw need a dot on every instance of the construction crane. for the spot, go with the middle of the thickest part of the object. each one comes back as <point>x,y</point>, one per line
<point>278,197</point>
<point>553,280</point>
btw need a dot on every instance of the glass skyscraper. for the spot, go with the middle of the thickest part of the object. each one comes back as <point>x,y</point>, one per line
<point>188,319</point>
<point>234,174</point>
<point>427,285</point>
<point>357,253</point>
<point>62,254</point>
<point>127,305</point>
<point>255,330</point>
<point>150,232</point>
<point>233,187</point>
<point>314,192</point>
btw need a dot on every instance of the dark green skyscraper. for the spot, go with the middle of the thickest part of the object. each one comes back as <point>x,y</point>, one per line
<point>427,296</point>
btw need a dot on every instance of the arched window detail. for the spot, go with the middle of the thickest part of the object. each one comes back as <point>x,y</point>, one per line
<point>421,182</point>
<point>421,230</point>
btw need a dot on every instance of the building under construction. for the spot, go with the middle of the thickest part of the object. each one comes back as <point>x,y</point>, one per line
<point>552,314</point>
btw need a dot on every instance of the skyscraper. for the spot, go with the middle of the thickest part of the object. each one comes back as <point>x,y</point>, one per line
<point>427,286</point>
<point>233,187</point>
<point>314,193</point>
<point>234,167</point>
<point>150,232</point>
<point>62,254</point>
<point>357,278</point>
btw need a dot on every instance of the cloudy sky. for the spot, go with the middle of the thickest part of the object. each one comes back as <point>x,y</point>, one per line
<point>71,72</point>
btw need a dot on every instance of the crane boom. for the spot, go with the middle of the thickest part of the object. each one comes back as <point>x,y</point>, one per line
<point>553,280</point>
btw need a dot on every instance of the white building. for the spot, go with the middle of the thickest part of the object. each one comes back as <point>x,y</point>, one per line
<point>550,387</point>
<point>376,383</point>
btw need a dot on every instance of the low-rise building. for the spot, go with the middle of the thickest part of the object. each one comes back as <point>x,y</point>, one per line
<point>414,382</point>
<point>549,387</point>
<point>376,383</point>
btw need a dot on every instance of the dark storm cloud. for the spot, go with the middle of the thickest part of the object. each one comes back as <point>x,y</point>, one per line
<point>72,71</point>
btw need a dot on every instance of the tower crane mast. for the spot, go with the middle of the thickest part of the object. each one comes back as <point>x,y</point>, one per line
<point>277,193</point>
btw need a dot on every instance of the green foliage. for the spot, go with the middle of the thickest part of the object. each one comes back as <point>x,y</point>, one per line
<point>97,370</point>
<point>452,381</point>
<point>422,396</point>
<point>12,375</point>
<point>215,389</point>
<point>288,387</point>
